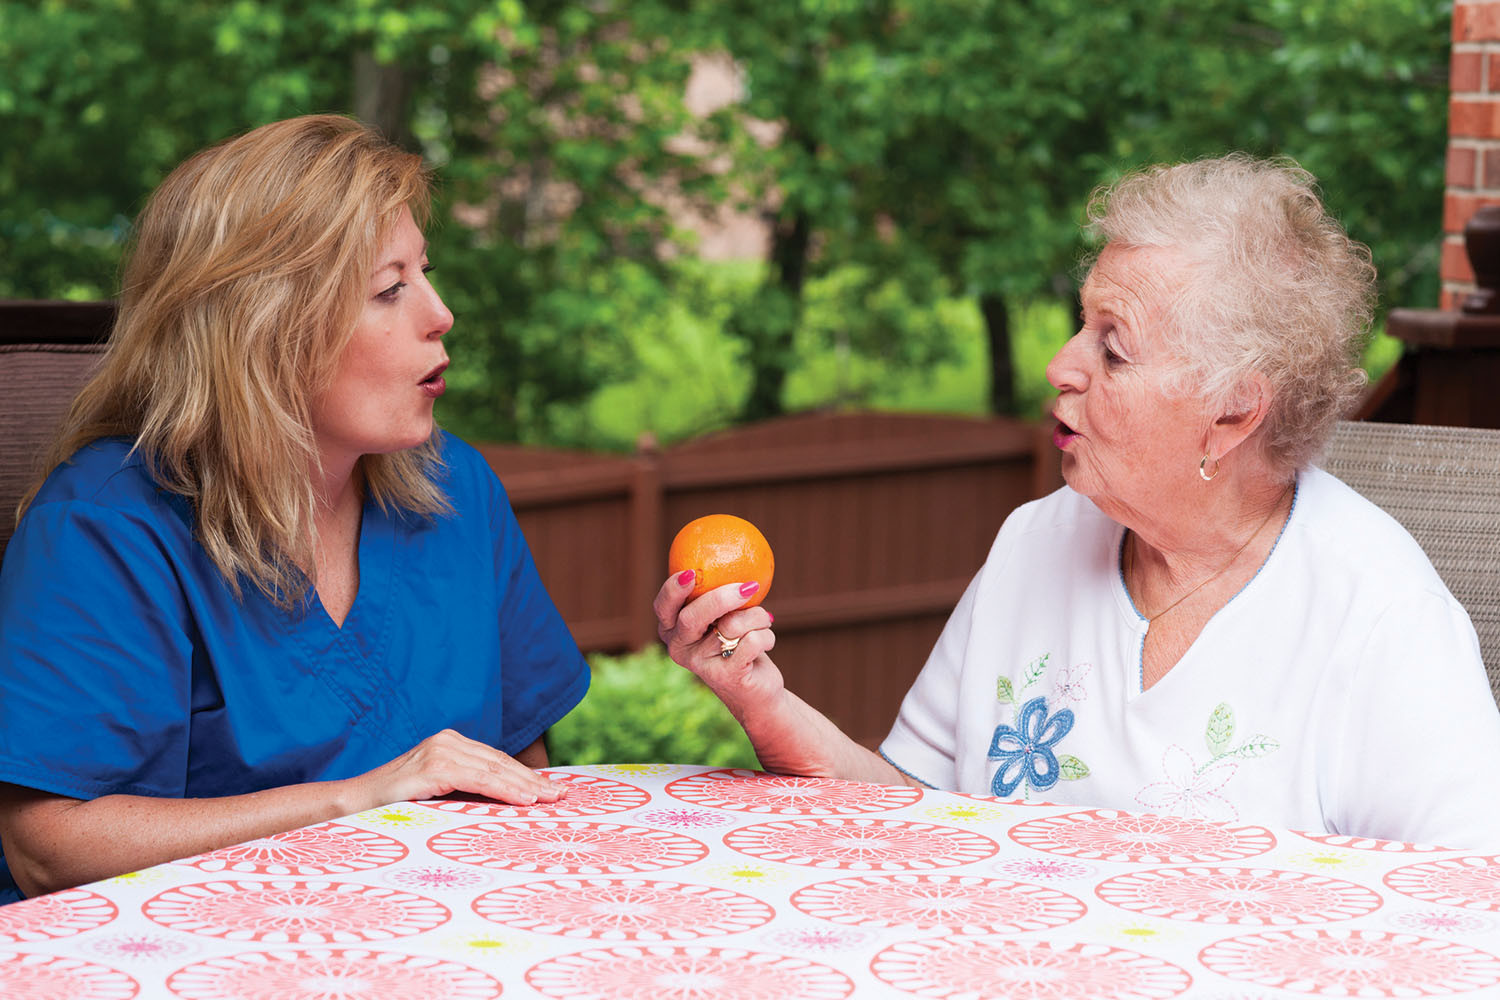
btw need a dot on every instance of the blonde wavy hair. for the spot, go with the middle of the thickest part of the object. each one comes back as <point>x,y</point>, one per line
<point>1271,284</point>
<point>245,276</point>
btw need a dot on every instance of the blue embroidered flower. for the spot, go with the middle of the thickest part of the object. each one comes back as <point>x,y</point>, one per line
<point>1025,750</point>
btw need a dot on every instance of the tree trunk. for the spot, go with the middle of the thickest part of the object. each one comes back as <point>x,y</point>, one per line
<point>1002,368</point>
<point>380,95</point>
<point>772,330</point>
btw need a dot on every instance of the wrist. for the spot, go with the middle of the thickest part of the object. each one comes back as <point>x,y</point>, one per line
<point>348,796</point>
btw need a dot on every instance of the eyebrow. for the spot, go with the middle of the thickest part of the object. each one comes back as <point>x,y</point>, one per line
<point>398,263</point>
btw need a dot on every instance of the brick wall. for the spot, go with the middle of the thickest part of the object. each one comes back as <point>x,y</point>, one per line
<point>1473,165</point>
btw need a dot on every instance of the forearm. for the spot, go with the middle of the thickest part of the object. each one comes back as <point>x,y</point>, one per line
<point>54,843</point>
<point>791,737</point>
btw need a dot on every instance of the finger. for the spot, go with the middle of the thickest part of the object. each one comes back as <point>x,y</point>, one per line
<point>670,598</point>
<point>744,620</point>
<point>699,616</point>
<point>509,781</point>
<point>450,753</point>
<point>749,646</point>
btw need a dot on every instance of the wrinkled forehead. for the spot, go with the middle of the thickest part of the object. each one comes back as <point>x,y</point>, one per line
<point>1137,281</point>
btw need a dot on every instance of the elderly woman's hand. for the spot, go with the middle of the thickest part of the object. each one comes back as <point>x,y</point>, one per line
<point>698,633</point>
<point>448,762</point>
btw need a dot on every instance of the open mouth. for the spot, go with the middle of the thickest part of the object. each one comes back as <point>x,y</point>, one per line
<point>434,384</point>
<point>1063,434</point>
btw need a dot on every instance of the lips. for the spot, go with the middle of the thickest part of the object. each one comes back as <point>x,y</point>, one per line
<point>1062,434</point>
<point>434,384</point>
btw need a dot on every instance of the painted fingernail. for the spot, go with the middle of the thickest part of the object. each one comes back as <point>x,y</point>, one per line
<point>772,617</point>
<point>746,589</point>
<point>684,578</point>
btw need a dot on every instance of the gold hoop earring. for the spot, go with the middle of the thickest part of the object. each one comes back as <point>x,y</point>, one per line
<point>1208,477</point>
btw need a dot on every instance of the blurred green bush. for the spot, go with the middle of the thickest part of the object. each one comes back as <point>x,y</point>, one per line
<point>643,708</point>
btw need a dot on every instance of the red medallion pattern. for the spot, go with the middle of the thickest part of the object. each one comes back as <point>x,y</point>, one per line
<point>1109,835</point>
<point>987,968</point>
<point>291,912</point>
<point>60,914</point>
<point>1370,844</point>
<point>685,973</point>
<point>331,974</point>
<point>588,795</point>
<point>674,882</point>
<point>1360,963</point>
<point>1470,882</point>
<point>954,902</point>
<point>861,844</point>
<point>753,792</point>
<point>326,849</point>
<point>623,909</point>
<point>1257,896</point>
<point>48,977</point>
<point>567,847</point>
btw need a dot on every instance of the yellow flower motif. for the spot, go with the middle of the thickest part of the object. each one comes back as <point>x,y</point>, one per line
<point>1333,860</point>
<point>637,769</point>
<point>964,812</point>
<point>1140,932</point>
<point>749,874</point>
<point>143,877</point>
<point>491,944</point>
<point>399,816</point>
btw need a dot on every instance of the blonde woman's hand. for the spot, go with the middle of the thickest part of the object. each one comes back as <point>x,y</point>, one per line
<point>449,762</point>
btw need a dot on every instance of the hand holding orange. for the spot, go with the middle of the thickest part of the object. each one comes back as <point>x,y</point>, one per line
<point>720,549</point>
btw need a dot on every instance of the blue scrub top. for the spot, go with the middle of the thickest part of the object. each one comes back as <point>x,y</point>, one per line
<point>127,665</point>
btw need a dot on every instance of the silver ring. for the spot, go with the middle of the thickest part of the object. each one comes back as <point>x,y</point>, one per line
<point>727,646</point>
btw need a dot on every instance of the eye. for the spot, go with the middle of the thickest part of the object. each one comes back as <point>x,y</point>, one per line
<point>390,294</point>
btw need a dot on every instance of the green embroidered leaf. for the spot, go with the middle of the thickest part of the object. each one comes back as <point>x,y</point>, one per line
<point>1220,729</point>
<point>1004,691</point>
<point>1034,671</point>
<point>1256,746</point>
<point>1072,768</point>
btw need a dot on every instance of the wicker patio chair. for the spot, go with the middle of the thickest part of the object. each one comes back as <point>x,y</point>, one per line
<point>47,350</point>
<point>1443,485</point>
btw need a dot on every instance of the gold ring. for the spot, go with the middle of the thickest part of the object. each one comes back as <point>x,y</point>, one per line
<point>727,646</point>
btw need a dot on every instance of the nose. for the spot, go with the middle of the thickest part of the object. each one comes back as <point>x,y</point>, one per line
<point>1067,369</point>
<point>441,320</point>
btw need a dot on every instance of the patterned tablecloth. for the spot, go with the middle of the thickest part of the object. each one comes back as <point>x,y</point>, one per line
<point>667,882</point>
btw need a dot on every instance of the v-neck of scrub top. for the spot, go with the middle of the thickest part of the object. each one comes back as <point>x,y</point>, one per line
<point>350,660</point>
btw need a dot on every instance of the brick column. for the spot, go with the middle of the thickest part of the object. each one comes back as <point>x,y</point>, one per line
<point>1473,165</point>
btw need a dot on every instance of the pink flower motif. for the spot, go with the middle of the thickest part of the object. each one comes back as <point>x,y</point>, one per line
<point>819,938</point>
<point>141,947</point>
<point>1440,921</point>
<point>438,878</point>
<point>1029,868</point>
<point>683,817</point>
<point>1069,687</point>
<point>1190,790</point>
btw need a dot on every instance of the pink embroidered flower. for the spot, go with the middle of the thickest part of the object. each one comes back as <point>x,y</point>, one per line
<point>1189,790</point>
<point>1069,688</point>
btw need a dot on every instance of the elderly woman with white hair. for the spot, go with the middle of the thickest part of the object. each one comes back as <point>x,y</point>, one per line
<point>1201,622</point>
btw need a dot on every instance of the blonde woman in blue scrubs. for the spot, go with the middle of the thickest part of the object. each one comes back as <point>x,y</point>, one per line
<point>258,588</point>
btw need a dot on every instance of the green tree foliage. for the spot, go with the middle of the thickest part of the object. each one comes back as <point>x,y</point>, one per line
<point>643,708</point>
<point>958,140</point>
<point>551,123</point>
<point>925,150</point>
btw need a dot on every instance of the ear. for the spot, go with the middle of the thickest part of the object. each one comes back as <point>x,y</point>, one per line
<point>1247,411</point>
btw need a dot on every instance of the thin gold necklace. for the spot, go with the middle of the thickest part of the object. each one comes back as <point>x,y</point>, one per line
<point>1130,560</point>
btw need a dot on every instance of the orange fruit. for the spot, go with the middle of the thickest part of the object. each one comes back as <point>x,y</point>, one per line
<point>720,549</point>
